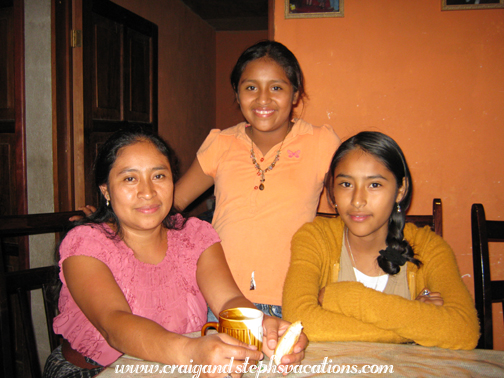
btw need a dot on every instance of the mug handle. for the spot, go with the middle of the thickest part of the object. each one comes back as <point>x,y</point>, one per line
<point>209,325</point>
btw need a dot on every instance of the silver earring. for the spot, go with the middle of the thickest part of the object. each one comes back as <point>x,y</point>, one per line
<point>398,208</point>
<point>108,203</point>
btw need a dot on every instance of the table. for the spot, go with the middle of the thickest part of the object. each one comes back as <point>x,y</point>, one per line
<point>356,359</point>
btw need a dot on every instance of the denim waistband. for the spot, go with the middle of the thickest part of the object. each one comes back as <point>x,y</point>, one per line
<point>265,308</point>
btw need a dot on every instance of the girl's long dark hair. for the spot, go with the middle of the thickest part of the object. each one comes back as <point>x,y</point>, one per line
<point>386,150</point>
<point>277,52</point>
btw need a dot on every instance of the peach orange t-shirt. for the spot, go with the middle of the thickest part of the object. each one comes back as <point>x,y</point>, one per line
<point>256,226</point>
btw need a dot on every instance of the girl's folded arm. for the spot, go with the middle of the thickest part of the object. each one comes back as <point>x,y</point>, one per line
<point>453,325</point>
<point>304,280</point>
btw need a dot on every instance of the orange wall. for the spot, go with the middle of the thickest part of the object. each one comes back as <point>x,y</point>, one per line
<point>186,70</point>
<point>432,80</point>
<point>230,44</point>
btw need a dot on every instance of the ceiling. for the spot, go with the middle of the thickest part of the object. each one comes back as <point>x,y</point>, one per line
<point>232,14</point>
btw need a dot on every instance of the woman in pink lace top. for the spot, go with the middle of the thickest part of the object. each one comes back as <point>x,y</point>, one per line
<point>136,276</point>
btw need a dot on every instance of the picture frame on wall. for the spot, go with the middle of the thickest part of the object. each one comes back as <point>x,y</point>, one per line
<point>471,4</point>
<point>313,8</point>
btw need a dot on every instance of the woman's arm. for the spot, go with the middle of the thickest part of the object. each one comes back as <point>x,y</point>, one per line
<point>97,294</point>
<point>191,185</point>
<point>221,292</point>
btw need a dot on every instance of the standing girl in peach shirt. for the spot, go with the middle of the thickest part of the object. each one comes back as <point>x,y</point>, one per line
<point>268,172</point>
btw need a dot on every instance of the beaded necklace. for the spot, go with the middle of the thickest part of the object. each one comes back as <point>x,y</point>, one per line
<point>260,171</point>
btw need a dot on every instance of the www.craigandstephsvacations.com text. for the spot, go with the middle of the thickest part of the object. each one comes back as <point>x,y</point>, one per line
<point>325,367</point>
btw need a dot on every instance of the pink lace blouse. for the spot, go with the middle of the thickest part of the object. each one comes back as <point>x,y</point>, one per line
<point>166,293</point>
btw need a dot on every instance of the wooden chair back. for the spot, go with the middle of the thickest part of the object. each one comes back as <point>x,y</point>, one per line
<point>15,288</point>
<point>434,221</point>
<point>486,290</point>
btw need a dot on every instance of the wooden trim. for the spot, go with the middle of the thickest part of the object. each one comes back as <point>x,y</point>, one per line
<point>78,109</point>
<point>62,106</point>
<point>20,124</point>
<point>54,93</point>
<point>19,98</point>
<point>154,79</point>
<point>34,224</point>
<point>438,216</point>
<point>271,19</point>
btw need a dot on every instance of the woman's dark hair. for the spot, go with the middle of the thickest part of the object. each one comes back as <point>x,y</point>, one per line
<point>277,52</point>
<point>386,150</point>
<point>104,162</point>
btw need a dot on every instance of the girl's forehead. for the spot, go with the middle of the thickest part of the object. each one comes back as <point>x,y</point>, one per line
<point>263,66</point>
<point>359,160</point>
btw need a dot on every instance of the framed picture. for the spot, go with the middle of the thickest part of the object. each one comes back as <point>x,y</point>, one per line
<point>471,4</point>
<point>313,8</point>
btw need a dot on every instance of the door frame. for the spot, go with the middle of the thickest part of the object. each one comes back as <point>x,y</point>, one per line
<point>71,111</point>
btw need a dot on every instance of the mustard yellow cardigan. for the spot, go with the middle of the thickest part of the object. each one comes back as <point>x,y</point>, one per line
<point>353,312</point>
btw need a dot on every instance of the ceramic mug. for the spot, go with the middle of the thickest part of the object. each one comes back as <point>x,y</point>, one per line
<point>242,323</point>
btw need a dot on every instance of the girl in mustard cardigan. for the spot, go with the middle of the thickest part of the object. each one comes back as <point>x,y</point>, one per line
<point>368,276</point>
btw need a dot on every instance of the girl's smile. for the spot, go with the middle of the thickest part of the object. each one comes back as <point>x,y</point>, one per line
<point>359,217</point>
<point>263,113</point>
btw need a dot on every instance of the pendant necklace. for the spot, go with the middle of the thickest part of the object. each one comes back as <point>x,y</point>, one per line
<point>355,266</point>
<point>260,171</point>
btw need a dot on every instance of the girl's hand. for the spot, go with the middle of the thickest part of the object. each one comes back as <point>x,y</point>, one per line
<point>217,350</point>
<point>430,297</point>
<point>88,210</point>
<point>274,328</point>
<point>321,296</point>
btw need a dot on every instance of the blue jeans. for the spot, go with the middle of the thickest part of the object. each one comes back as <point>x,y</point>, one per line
<point>267,309</point>
<point>270,309</point>
<point>57,366</point>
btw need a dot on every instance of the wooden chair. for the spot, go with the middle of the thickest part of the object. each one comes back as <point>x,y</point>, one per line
<point>486,291</point>
<point>20,283</point>
<point>434,221</point>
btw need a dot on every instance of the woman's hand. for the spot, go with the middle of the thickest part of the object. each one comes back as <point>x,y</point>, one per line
<point>427,296</point>
<point>218,350</point>
<point>274,328</point>
<point>88,210</point>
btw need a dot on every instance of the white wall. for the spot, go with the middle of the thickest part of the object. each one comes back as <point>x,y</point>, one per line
<point>39,143</point>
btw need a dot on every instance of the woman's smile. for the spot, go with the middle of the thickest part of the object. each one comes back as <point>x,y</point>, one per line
<point>149,209</point>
